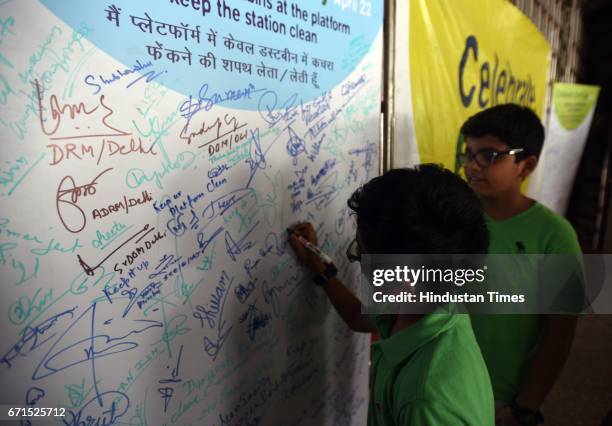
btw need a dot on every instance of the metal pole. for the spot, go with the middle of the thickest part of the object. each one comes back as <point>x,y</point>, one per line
<point>388,103</point>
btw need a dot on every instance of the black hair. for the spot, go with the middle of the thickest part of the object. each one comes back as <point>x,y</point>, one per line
<point>425,209</point>
<point>517,126</point>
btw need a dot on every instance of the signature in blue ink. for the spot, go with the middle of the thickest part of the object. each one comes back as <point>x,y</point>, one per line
<point>234,248</point>
<point>249,266</point>
<point>148,76</point>
<point>140,299</point>
<point>316,108</point>
<point>243,292</point>
<point>30,335</point>
<point>204,243</point>
<point>340,222</point>
<point>315,149</point>
<point>116,404</point>
<point>272,293</point>
<point>124,281</point>
<point>295,145</point>
<point>90,79</point>
<point>327,166</point>
<point>208,313</point>
<point>33,395</point>
<point>167,392</point>
<point>272,113</point>
<point>178,208</point>
<point>216,171</point>
<point>205,101</point>
<point>213,315</point>
<point>348,87</point>
<point>325,193</point>
<point>274,245</point>
<point>255,320</point>
<point>62,356</point>
<point>257,158</point>
<point>370,152</point>
<point>222,204</point>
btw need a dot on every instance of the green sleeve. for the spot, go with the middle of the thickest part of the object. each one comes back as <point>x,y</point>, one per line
<point>566,240</point>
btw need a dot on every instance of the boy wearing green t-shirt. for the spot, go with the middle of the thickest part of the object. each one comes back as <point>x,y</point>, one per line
<point>426,370</point>
<point>524,353</point>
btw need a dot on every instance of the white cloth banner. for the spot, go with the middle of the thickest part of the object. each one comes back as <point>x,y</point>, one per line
<point>572,112</point>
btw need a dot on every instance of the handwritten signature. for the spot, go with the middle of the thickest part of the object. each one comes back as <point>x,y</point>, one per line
<point>212,315</point>
<point>74,111</point>
<point>205,102</point>
<point>77,215</point>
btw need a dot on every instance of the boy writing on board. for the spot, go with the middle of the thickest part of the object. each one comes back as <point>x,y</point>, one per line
<point>524,353</point>
<point>426,369</point>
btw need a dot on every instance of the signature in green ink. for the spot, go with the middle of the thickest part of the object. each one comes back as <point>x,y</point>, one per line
<point>77,394</point>
<point>18,264</point>
<point>136,177</point>
<point>9,176</point>
<point>103,239</point>
<point>280,268</point>
<point>174,328</point>
<point>61,60</point>
<point>56,246</point>
<point>207,261</point>
<point>21,310</point>
<point>6,26</point>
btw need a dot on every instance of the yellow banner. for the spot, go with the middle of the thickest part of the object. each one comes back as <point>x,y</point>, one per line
<point>466,56</point>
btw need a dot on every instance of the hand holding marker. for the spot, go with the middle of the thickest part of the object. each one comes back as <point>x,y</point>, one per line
<point>311,247</point>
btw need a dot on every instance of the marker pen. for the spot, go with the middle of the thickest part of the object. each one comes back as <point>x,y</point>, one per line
<point>311,247</point>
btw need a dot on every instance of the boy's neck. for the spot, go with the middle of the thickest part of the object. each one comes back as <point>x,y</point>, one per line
<point>506,206</point>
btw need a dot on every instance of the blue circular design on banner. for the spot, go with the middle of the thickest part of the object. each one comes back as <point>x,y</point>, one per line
<point>337,33</point>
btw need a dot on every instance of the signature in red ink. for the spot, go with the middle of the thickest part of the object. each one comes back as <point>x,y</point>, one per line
<point>78,113</point>
<point>108,148</point>
<point>76,216</point>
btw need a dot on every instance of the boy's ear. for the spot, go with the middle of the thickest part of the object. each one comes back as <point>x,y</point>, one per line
<point>529,165</point>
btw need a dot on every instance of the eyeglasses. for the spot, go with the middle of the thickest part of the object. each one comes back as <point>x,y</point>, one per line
<point>353,253</point>
<point>485,157</point>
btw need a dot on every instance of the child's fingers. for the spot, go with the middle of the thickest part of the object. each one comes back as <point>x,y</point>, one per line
<point>306,230</point>
<point>295,243</point>
<point>297,246</point>
<point>302,228</point>
<point>300,251</point>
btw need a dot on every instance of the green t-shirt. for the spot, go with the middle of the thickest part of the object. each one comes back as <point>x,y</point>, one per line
<point>430,373</point>
<point>508,342</point>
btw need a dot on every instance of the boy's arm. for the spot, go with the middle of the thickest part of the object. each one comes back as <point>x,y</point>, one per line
<point>348,306</point>
<point>550,356</point>
<point>345,302</point>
